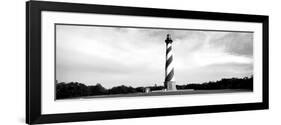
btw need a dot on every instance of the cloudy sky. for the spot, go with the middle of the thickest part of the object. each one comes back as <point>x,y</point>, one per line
<point>116,56</point>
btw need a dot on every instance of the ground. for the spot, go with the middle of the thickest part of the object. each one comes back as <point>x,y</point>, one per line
<point>161,93</point>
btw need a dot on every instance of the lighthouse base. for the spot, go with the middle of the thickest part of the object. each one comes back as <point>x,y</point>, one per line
<point>171,85</point>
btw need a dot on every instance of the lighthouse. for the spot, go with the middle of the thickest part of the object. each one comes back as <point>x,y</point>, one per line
<point>169,82</point>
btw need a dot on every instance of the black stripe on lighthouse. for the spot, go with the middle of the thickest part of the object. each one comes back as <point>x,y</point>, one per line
<point>170,75</point>
<point>168,50</point>
<point>169,61</point>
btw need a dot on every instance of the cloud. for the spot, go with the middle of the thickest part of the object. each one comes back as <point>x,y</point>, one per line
<point>235,43</point>
<point>213,72</point>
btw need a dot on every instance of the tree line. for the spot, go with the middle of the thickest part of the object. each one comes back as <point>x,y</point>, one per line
<point>75,89</point>
<point>231,83</point>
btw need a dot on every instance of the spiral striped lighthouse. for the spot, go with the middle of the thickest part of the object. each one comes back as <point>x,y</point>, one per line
<point>169,83</point>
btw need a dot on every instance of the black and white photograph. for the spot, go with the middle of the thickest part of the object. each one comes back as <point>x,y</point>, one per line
<point>100,61</point>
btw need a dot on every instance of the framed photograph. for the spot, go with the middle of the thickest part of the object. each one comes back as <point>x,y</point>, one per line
<point>94,62</point>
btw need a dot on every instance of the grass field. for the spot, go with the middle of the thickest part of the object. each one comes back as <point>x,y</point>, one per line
<point>165,93</point>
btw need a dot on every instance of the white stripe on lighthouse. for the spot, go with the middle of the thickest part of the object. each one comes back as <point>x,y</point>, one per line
<point>170,53</point>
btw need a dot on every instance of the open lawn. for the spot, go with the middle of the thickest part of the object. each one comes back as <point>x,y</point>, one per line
<point>163,93</point>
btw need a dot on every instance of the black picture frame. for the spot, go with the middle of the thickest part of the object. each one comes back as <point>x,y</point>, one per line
<point>33,61</point>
